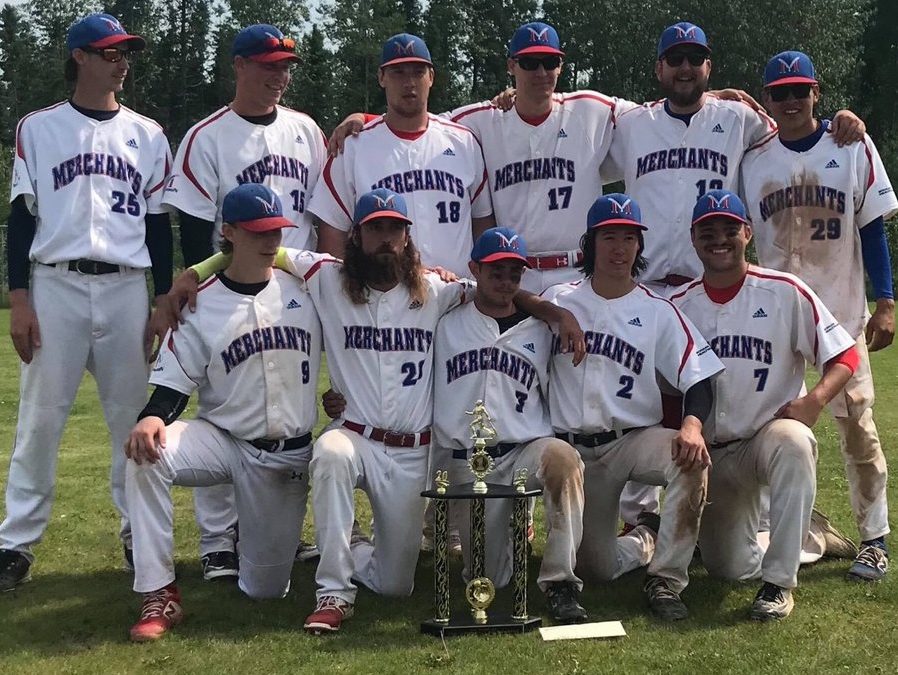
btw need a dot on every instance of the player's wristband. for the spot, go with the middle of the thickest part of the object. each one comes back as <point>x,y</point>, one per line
<point>210,266</point>
<point>281,261</point>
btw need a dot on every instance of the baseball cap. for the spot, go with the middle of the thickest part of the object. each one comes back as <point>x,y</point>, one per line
<point>254,207</point>
<point>682,33</point>
<point>718,203</point>
<point>499,243</point>
<point>534,38</point>
<point>380,203</point>
<point>614,209</point>
<point>405,48</point>
<point>263,43</point>
<point>100,31</point>
<point>789,68</point>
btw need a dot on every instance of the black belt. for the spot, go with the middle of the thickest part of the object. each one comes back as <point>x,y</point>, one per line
<point>722,444</point>
<point>268,445</point>
<point>494,451</point>
<point>85,266</point>
<point>593,440</point>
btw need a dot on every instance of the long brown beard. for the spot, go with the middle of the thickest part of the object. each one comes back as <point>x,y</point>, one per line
<point>360,269</point>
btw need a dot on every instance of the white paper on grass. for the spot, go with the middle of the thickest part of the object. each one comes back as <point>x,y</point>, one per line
<point>600,629</point>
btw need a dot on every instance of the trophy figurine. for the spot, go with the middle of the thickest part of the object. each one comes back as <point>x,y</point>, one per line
<point>482,431</point>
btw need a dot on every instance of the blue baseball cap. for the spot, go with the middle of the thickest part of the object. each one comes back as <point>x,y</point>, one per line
<point>614,209</point>
<point>101,31</point>
<point>380,203</point>
<point>682,33</point>
<point>264,43</point>
<point>499,243</point>
<point>254,207</point>
<point>534,38</point>
<point>716,203</point>
<point>789,68</point>
<point>405,48</point>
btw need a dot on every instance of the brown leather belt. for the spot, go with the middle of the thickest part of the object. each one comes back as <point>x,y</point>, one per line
<point>394,439</point>
<point>556,261</point>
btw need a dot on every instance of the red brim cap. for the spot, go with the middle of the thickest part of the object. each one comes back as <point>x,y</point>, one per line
<point>539,49</point>
<point>406,59</point>
<point>503,255</point>
<point>265,224</point>
<point>719,214</point>
<point>798,79</point>
<point>385,214</point>
<point>137,42</point>
<point>619,221</point>
<point>273,57</point>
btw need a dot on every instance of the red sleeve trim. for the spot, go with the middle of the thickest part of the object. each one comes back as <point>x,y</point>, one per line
<point>754,272</point>
<point>329,181</point>
<point>850,358</point>
<point>185,165</point>
<point>871,175</point>
<point>317,266</point>
<point>488,106</point>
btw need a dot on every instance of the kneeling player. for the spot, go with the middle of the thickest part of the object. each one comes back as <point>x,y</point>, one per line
<point>609,408</point>
<point>252,350</point>
<point>488,350</point>
<point>764,325</point>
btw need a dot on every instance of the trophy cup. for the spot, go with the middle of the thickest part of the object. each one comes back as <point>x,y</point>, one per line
<point>480,590</point>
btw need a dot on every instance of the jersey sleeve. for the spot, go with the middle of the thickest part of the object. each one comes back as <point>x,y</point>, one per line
<point>194,181</point>
<point>155,184</point>
<point>874,196</point>
<point>756,127</point>
<point>816,333</point>
<point>183,358</point>
<point>452,293</point>
<point>683,356</point>
<point>334,197</point>
<point>301,264</point>
<point>481,202</point>
<point>22,182</point>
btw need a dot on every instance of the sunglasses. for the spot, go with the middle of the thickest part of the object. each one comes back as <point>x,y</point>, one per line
<point>110,54</point>
<point>534,62</point>
<point>676,58</point>
<point>280,44</point>
<point>781,93</point>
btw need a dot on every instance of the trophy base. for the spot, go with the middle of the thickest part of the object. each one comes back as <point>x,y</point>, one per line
<point>501,623</point>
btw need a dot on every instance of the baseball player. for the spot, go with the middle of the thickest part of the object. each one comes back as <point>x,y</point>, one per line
<point>252,351</point>
<point>609,408</point>
<point>250,140</point>
<point>86,221</point>
<point>488,350</point>
<point>436,164</point>
<point>765,326</point>
<point>817,210</point>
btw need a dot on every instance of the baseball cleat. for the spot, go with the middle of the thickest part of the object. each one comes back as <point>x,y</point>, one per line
<point>161,610</point>
<point>837,544</point>
<point>561,598</point>
<point>649,519</point>
<point>329,614</point>
<point>772,602</point>
<point>871,563</point>
<point>664,602</point>
<point>129,558</point>
<point>220,565</point>
<point>307,552</point>
<point>15,569</point>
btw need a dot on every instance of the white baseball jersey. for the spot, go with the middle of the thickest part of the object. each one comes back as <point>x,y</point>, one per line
<point>764,336</point>
<point>508,372</point>
<point>807,209</point>
<point>544,178</point>
<point>379,354</point>
<point>224,150</point>
<point>243,352</point>
<point>90,183</point>
<point>439,173</point>
<point>629,342</point>
<point>667,165</point>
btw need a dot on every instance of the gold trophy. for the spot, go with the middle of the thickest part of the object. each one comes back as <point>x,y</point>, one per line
<point>480,591</point>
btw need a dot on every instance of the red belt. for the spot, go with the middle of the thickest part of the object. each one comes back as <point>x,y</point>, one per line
<point>673,280</point>
<point>557,261</point>
<point>392,438</point>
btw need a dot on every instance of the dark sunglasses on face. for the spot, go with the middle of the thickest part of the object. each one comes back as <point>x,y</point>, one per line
<point>110,54</point>
<point>781,93</point>
<point>676,58</point>
<point>534,62</point>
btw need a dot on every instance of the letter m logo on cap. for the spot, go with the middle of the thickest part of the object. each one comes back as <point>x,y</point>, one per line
<point>384,203</point>
<point>683,33</point>
<point>722,203</point>
<point>789,66</point>
<point>268,206</point>
<point>619,208</point>
<point>538,36</point>
<point>114,25</point>
<point>407,49</point>
<point>505,242</point>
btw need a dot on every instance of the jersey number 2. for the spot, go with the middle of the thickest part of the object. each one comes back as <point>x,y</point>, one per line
<point>626,391</point>
<point>413,372</point>
<point>125,204</point>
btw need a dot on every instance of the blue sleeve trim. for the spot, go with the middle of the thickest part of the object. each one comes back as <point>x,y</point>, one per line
<point>877,262</point>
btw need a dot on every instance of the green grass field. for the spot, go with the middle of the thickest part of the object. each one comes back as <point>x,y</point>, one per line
<point>74,616</point>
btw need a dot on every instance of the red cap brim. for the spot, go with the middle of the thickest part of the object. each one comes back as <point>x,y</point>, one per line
<point>137,42</point>
<point>273,57</point>
<point>619,221</point>
<point>504,255</point>
<point>406,59</point>
<point>721,214</point>
<point>538,49</point>
<point>797,79</point>
<point>265,224</point>
<point>385,214</point>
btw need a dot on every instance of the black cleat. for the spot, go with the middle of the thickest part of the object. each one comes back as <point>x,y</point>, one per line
<point>220,565</point>
<point>561,597</point>
<point>14,569</point>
